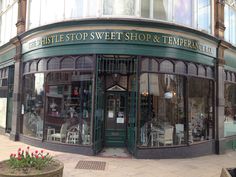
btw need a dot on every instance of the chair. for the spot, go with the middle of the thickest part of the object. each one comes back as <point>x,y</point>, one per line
<point>60,136</point>
<point>167,137</point>
<point>73,135</point>
<point>39,129</point>
<point>179,129</point>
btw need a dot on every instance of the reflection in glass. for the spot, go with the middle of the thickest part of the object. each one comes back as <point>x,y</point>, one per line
<point>183,12</point>
<point>227,22</point>
<point>118,7</point>
<point>162,110</point>
<point>33,103</point>
<point>49,13</point>
<point>74,9</point>
<point>8,20</point>
<point>233,26</point>
<point>34,20</point>
<point>204,10</point>
<point>230,24</point>
<point>69,99</point>
<point>230,110</point>
<point>145,8</point>
<point>160,10</point>
<point>200,110</point>
<point>196,14</point>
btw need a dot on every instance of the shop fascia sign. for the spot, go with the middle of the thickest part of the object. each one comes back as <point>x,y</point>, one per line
<point>119,37</point>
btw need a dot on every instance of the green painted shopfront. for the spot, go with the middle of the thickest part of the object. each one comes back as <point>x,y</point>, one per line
<point>151,76</point>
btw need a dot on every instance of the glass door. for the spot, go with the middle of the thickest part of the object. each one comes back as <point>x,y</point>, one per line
<point>115,129</point>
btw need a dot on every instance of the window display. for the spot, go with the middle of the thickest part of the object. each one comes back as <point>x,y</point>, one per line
<point>230,110</point>
<point>200,109</point>
<point>164,118</point>
<point>68,97</point>
<point>33,105</point>
<point>162,110</point>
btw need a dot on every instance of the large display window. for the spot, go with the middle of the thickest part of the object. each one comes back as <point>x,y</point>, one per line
<point>68,109</point>
<point>163,121</point>
<point>230,110</point>
<point>57,102</point>
<point>33,105</point>
<point>200,111</point>
<point>175,108</point>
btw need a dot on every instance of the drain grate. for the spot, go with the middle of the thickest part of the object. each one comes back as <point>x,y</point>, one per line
<point>91,165</point>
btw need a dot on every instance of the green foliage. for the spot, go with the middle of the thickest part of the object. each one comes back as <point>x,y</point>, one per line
<point>24,159</point>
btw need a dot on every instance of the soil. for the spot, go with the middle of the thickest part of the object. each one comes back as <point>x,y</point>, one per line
<point>4,168</point>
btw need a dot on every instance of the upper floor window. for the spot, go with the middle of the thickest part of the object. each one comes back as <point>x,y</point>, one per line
<point>119,7</point>
<point>8,19</point>
<point>196,13</point>
<point>193,13</point>
<point>230,21</point>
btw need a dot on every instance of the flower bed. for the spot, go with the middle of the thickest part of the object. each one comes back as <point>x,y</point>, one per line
<point>26,163</point>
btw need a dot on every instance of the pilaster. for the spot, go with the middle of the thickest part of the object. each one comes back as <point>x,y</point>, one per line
<point>219,18</point>
<point>220,100</point>
<point>21,16</point>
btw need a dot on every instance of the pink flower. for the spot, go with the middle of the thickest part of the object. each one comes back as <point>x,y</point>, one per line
<point>11,155</point>
<point>19,158</point>
<point>32,154</point>
<point>36,156</point>
<point>36,152</point>
<point>42,157</point>
<point>41,151</point>
<point>28,147</point>
<point>19,149</point>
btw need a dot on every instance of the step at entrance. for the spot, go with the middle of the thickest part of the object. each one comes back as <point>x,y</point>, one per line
<point>115,152</point>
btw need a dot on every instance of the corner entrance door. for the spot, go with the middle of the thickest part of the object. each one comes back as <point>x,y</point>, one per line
<point>115,123</point>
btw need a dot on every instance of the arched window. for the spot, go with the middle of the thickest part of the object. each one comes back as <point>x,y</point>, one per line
<point>33,66</point>
<point>210,72</point>
<point>68,63</point>
<point>84,63</point>
<point>26,67</point>
<point>54,64</point>
<point>42,65</point>
<point>192,69</point>
<point>166,66</point>
<point>201,70</point>
<point>144,64</point>
<point>153,65</point>
<point>180,67</point>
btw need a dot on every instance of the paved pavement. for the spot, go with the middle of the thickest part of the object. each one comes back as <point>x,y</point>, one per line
<point>205,166</point>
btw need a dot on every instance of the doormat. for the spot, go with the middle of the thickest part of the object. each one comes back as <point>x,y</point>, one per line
<point>91,165</point>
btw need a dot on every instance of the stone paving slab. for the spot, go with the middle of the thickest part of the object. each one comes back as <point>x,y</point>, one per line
<point>205,166</point>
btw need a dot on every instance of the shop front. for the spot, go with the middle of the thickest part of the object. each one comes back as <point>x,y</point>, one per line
<point>146,90</point>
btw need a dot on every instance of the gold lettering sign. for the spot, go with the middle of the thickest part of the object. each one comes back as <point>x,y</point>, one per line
<point>133,37</point>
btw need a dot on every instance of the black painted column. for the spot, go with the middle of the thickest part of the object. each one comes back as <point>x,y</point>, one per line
<point>16,112</point>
